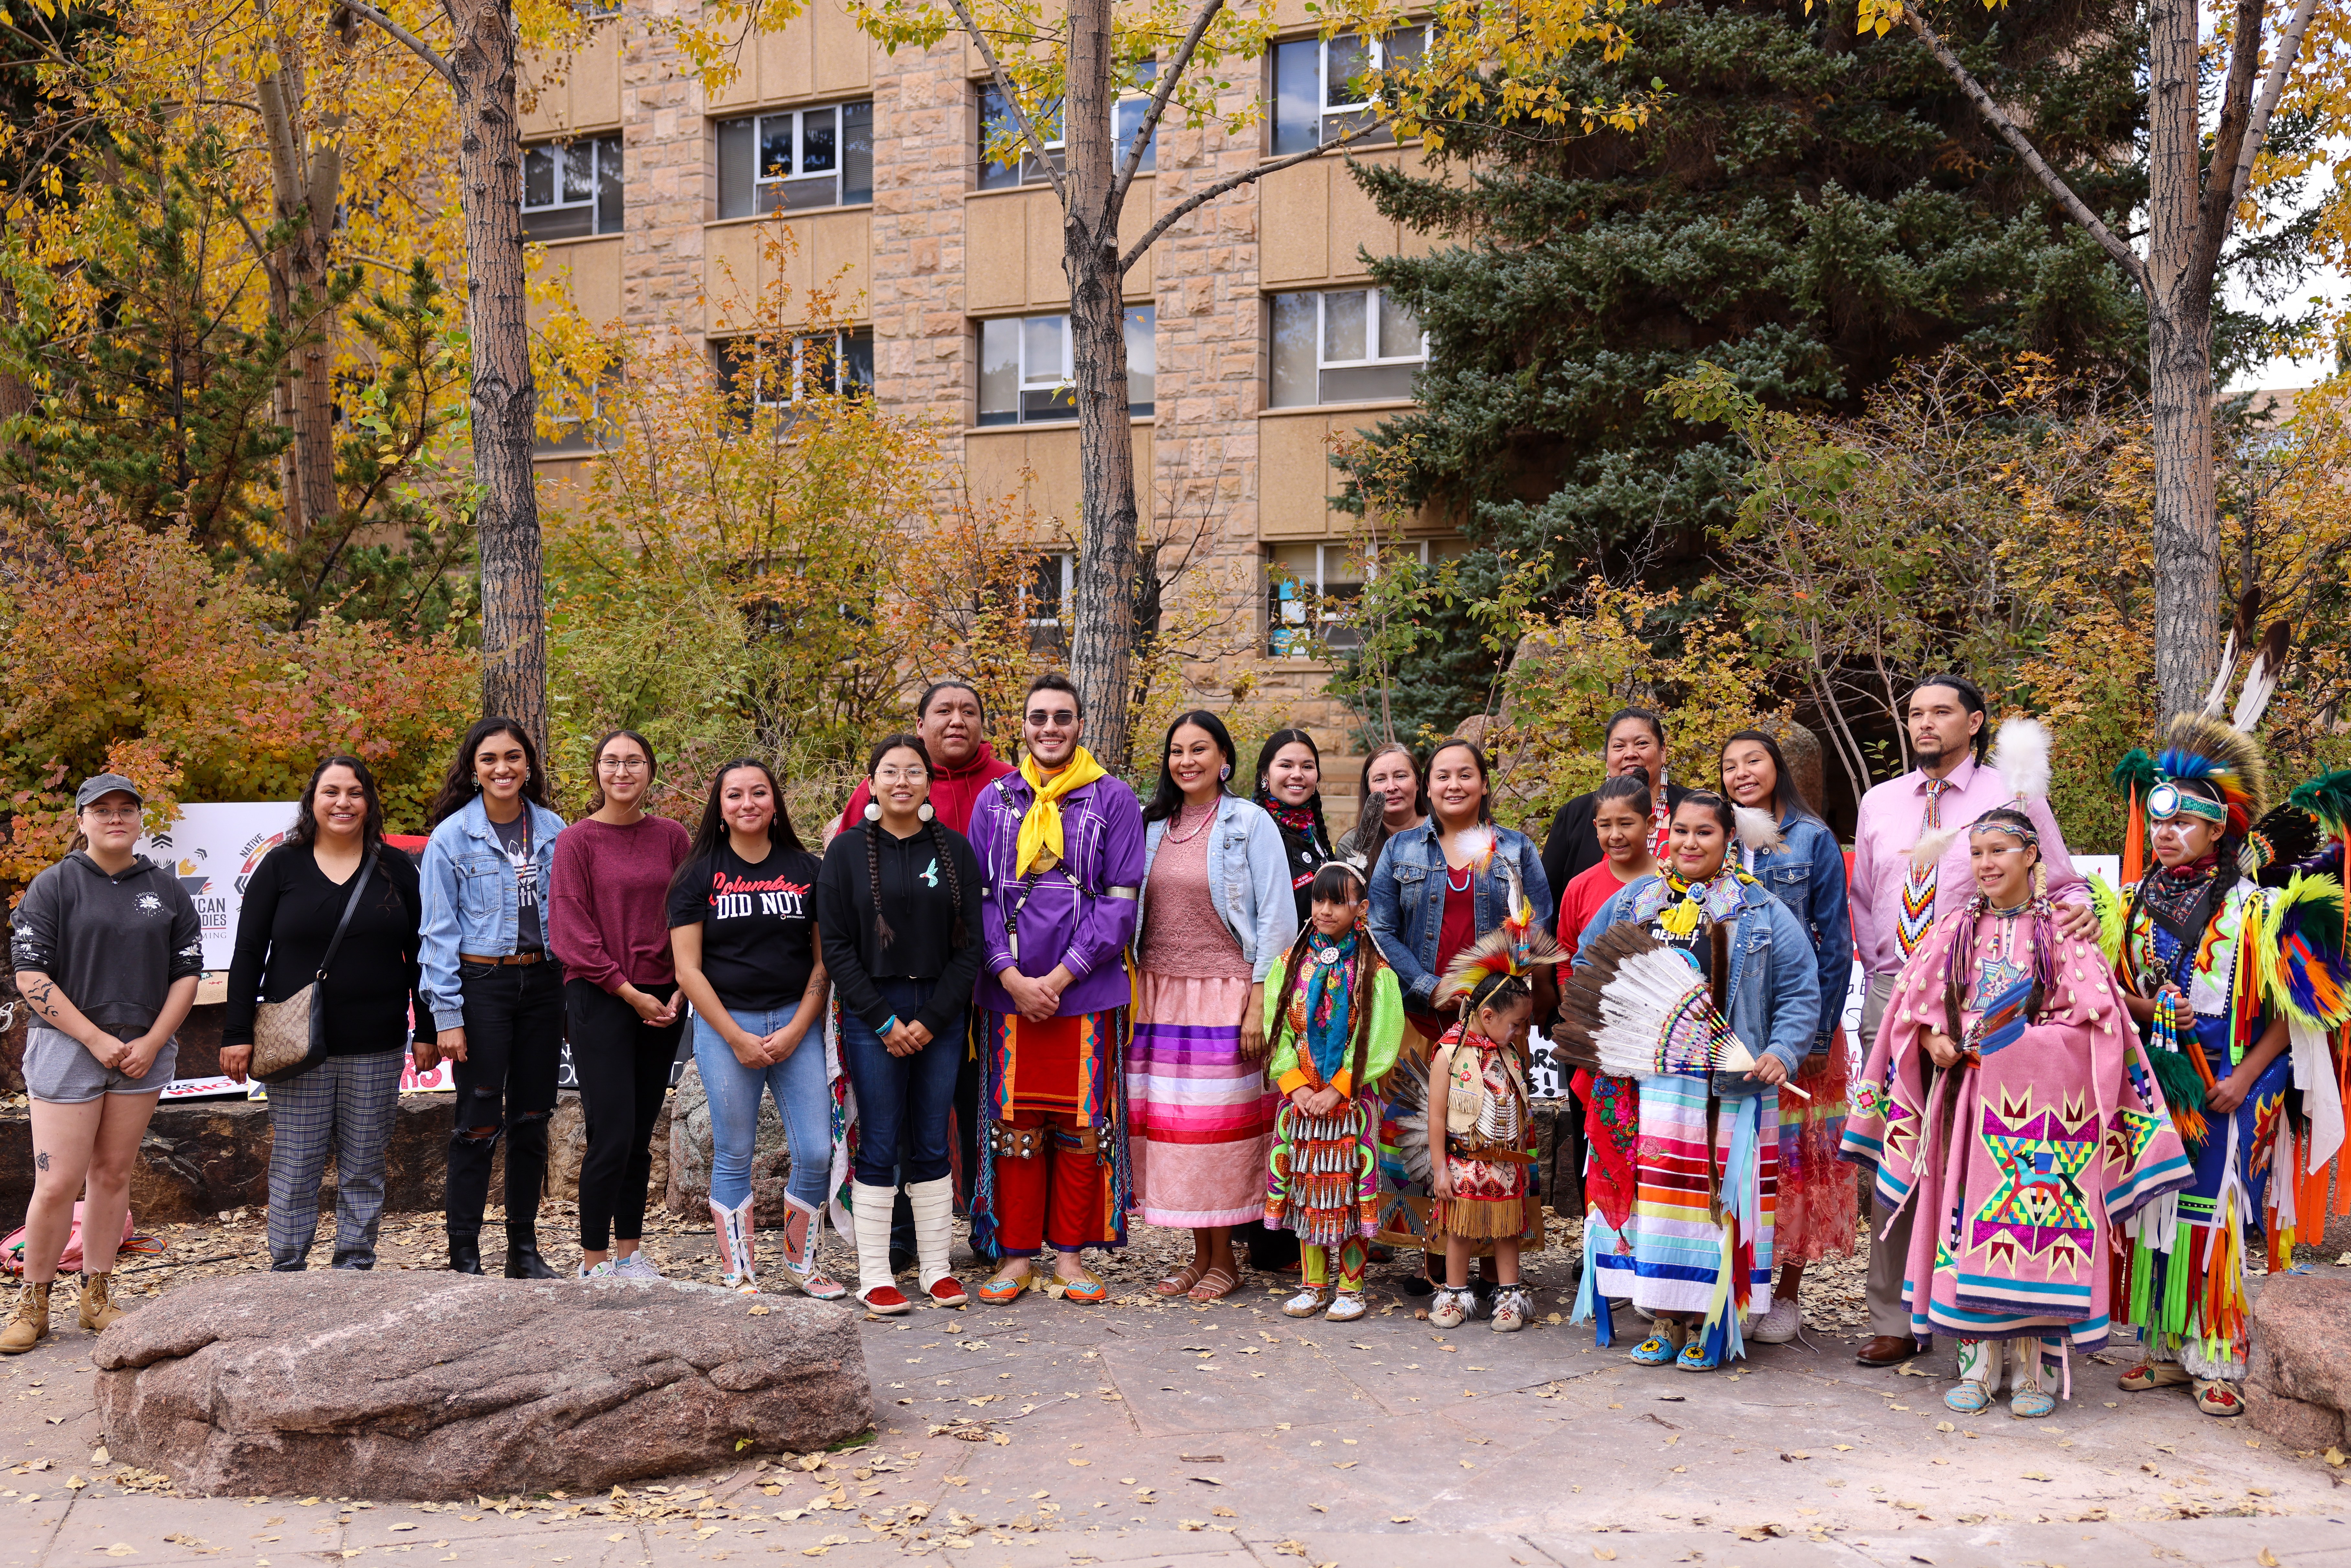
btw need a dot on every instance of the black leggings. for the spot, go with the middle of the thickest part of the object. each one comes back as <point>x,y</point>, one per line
<point>506,1087</point>
<point>623,1066</point>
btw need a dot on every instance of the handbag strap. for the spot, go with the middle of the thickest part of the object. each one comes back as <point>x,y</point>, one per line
<point>351,907</point>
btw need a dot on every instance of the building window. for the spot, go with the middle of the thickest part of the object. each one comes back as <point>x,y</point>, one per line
<point>1343,345</point>
<point>1318,86</point>
<point>1047,598</point>
<point>841,362</point>
<point>1025,373</point>
<point>999,128</point>
<point>796,158</point>
<point>571,189</point>
<point>1307,587</point>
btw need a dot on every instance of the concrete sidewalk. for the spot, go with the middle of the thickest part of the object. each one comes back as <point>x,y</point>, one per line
<point>1204,1435</point>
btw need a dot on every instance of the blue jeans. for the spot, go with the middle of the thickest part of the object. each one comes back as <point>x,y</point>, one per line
<point>798,1086</point>
<point>903,1101</point>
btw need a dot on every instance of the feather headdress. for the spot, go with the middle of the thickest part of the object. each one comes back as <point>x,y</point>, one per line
<point>2328,798</point>
<point>1500,954</point>
<point>1757,831</point>
<point>2199,748</point>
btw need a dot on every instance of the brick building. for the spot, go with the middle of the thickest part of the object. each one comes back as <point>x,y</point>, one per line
<point>1253,331</point>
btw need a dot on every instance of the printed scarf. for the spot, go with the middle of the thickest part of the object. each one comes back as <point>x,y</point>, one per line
<point>1040,828</point>
<point>1330,995</point>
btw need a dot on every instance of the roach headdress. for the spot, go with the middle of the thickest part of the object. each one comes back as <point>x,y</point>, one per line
<point>2202,750</point>
<point>1503,954</point>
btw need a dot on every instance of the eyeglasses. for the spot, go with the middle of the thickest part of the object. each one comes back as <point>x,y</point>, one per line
<point>891,773</point>
<point>624,764</point>
<point>113,813</point>
<point>1060,718</point>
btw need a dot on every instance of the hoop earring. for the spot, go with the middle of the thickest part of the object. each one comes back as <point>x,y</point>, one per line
<point>924,813</point>
<point>872,811</point>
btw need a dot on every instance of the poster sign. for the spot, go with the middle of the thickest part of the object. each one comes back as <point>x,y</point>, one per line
<point>213,849</point>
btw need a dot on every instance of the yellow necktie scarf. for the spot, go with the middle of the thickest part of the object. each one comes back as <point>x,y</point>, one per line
<point>1041,829</point>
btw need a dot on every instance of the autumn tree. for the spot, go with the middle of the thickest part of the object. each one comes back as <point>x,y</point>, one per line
<point>2197,193</point>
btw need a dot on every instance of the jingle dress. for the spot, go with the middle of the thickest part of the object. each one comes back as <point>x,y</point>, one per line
<point>1323,1178</point>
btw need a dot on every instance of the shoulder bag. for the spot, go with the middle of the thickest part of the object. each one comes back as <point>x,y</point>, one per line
<point>289,1038</point>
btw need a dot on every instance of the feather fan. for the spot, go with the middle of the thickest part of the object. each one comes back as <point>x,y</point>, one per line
<point>1634,1007</point>
<point>1406,1091</point>
<point>2021,755</point>
<point>1757,831</point>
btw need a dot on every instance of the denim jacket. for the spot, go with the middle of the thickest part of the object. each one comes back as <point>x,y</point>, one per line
<point>1409,901</point>
<point>471,904</point>
<point>1249,881</point>
<point>1775,990</point>
<point>1808,876</point>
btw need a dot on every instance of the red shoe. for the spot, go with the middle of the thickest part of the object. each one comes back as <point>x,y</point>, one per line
<point>886,1300</point>
<point>947,1291</point>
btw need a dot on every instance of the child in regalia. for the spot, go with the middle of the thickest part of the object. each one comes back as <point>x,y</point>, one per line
<point>1335,1015</point>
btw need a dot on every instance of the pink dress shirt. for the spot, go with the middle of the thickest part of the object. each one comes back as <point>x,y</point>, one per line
<point>1889,825</point>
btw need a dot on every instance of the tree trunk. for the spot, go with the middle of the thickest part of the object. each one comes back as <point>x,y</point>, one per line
<point>482,56</point>
<point>1102,645</point>
<point>2180,368</point>
<point>306,184</point>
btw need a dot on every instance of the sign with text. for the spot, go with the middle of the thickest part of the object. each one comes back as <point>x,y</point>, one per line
<point>213,850</point>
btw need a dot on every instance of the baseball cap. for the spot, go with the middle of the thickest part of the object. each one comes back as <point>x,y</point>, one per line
<point>105,784</point>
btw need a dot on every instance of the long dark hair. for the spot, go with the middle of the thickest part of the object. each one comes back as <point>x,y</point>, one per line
<point>1484,774</point>
<point>1335,880</point>
<point>1271,749</point>
<point>906,740</point>
<point>1371,836</point>
<point>712,830</point>
<point>306,819</point>
<point>1166,798</point>
<point>458,785</point>
<point>596,789</point>
<point>1787,795</point>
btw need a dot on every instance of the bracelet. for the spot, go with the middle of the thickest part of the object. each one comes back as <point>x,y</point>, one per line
<point>890,1025</point>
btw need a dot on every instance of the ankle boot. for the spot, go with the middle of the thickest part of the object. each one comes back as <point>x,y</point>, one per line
<point>733,1233</point>
<point>523,1261</point>
<point>99,1311</point>
<point>28,1325</point>
<point>934,1205</point>
<point>465,1252</point>
<point>804,1228</point>
<point>877,1286</point>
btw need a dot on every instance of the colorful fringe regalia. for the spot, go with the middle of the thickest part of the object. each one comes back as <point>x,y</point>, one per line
<point>2021,1159</point>
<point>1333,1026</point>
<point>1488,1157</point>
<point>1612,1136</point>
<point>1057,1085</point>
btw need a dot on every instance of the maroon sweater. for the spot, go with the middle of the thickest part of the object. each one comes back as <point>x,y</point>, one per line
<point>608,911</point>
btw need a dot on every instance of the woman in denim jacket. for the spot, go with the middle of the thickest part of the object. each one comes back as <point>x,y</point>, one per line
<point>1216,915</point>
<point>1805,871</point>
<point>1437,889</point>
<point>1696,1127</point>
<point>484,953</point>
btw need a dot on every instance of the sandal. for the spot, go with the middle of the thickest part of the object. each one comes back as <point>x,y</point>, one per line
<point>2215,1397</point>
<point>2149,1375</point>
<point>1969,1398</point>
<point>1180,1282</point>
<point>1214,1285</point>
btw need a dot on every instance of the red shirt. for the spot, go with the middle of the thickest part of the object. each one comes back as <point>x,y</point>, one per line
<point>607,909</point>
<point>1457,931</point>
<point>1582,899</point>
<point>954,792</point>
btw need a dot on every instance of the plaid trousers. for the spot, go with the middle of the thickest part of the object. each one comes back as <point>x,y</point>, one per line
<point>343,1106</point>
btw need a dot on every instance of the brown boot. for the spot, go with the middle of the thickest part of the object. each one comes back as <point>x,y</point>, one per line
<point>99,1313</point>
<point>29,1324</point>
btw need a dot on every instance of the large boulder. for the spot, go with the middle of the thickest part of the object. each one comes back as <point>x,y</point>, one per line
<point>2299,1389</point>
<point>687,1189</point>
<point>428,1385</point>
<point>567,1147</point>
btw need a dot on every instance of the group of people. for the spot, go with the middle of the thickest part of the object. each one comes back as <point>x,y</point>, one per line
<point>1026,992</point>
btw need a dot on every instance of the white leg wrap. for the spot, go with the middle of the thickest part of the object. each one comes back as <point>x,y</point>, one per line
<point>869,1207</point>
<point>934,1205</point>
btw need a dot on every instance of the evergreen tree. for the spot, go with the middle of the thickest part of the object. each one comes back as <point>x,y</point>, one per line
<point>1804,207</point>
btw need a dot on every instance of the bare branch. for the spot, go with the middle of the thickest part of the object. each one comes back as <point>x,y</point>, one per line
<point>2079,209</point>
<point>1168,77</point>
<point>1199,199</point>
<point>2229,136</point>
<point>2289,46</point>
<point>1028,134</point>
<point>418,46</point>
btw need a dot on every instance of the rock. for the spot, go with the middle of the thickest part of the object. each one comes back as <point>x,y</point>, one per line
<point>428,1385</point>
<point>1802,747</point>
<point>687,1188</point>
<point>567,1147</point>
<point>2301,1371</point>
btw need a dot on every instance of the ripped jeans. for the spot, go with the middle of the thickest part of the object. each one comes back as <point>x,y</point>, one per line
<point>506,1088</point>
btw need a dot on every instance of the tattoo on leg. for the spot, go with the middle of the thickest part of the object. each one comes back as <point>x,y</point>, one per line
<point>41,1160</point>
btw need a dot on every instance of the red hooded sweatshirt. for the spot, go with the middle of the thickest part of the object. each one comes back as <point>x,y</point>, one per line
<point>954,792</point>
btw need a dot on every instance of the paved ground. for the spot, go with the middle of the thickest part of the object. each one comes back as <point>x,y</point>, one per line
<point>1204,1436</point>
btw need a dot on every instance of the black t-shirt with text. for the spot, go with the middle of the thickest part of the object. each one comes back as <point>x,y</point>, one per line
<point>758,924</point>
<point>515,839</point>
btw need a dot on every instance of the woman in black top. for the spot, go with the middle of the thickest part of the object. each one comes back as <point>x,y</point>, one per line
<point>898,902</point>
<point>344,1105</point>
<point>1290,786</point>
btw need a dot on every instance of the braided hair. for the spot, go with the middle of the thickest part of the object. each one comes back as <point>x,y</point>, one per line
<point>1337,882</point>
<point>906,741</point>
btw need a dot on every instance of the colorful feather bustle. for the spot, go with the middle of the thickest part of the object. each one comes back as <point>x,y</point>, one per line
<point>2114,913</point>
<point>2305,971</point>
<point>2286,836</point>
<point>2204,749</point>
<point>2328,798</point>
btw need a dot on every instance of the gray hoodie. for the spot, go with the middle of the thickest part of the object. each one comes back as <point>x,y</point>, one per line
<point>114,945</point>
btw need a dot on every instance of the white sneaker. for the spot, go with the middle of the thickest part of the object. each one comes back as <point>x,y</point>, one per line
<point>635,1267</point>
<point>1779,1325</point>
<point>605,1270</point>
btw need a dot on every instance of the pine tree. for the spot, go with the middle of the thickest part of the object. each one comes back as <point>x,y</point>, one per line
<point>1806,208</point>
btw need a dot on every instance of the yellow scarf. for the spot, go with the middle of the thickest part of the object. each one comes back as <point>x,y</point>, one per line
<point>1041,829</point>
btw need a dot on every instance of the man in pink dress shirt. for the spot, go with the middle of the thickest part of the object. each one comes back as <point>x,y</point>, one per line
<point>1894,905</point>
